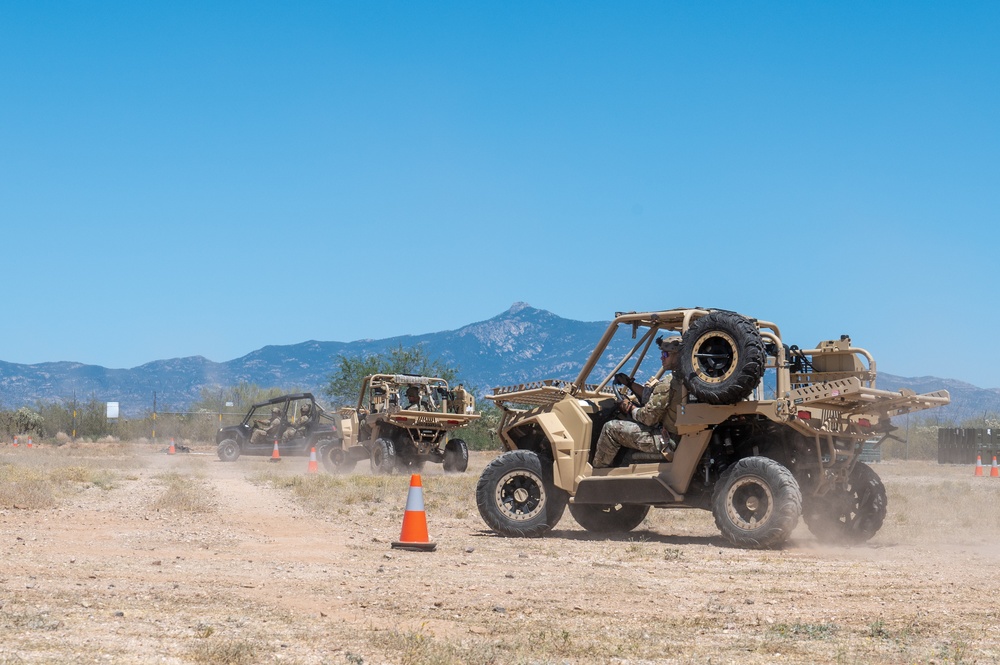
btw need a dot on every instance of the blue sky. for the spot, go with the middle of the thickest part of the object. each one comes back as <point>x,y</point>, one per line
<point>193,178</point>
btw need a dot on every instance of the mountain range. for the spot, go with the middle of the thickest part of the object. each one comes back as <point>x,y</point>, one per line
<point>520,344</point>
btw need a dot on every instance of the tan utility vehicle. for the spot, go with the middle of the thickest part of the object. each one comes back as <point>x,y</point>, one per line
<point>393,435</point>
<point>766,432</point>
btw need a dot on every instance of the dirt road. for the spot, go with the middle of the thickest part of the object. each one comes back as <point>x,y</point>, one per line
<point>254,570</point>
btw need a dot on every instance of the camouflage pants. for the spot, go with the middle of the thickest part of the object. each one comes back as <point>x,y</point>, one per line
<point>617,434</point>
<point>260,437</point>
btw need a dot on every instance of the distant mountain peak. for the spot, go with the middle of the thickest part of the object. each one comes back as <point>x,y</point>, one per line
<point>518,306</point>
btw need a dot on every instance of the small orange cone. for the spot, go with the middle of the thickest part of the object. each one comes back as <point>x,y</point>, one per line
<point>15,442</point>
<point>314,467</point>
<point>171,450</point>
<point>994,471</point>
<point>275,455</point>
<point>979,465</point>
<point>29,441</point>
<point>414,535</point>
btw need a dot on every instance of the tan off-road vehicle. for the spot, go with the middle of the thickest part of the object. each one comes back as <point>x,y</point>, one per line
<point>766,432</point>
<point>393,435</point>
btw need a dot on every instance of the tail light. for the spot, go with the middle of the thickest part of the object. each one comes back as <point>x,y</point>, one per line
<point>804,415</point>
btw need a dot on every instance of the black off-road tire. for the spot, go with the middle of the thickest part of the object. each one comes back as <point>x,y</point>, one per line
<point>383,457</point>
<point>619,518</point>
<point>456,456</point>
<point>756,503</point>
<point>851,515</point>
<point>228,450</point>
<point>722,358</point>
<point>516,497</point>
<point>334,457</point>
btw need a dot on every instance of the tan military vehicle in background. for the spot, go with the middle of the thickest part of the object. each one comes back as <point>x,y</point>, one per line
<point>767,432</point>
<point>381,429</point>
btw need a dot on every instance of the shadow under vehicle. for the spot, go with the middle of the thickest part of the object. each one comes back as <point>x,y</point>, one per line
<point>321,431</point>
<point>767,432</point>
<point>382,430</point>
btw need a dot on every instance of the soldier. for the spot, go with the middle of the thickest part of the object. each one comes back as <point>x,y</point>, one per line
<point>652,427</point>
<point>415,403</point>
<point>301,428</point>
<point>459,403</point>
<point>273,431</point>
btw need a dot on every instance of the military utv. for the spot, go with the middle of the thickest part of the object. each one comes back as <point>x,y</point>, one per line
<point>765,432</point>
<point>297,436</point>
<point>394,436</point>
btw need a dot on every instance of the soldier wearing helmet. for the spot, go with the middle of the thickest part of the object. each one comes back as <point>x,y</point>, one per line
<point>263,435</point>
<point>301,426</point>
<point>414,403</point>
<point>651,427</point>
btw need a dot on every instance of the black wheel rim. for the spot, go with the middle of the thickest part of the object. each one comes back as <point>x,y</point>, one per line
<point>715,358</point>
<point>520,496</point>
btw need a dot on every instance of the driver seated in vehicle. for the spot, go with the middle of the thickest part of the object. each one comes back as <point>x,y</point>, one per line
<point>262,435</point>
<point>414,402</point>
<point>651,427</point>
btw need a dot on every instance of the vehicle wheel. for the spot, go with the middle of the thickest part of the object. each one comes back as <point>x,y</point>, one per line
<point>722,358</point>
<point>456,456</point>
<point>851,515</point>
<point>516,497</point>
<point>334,457</point>
<point>756,503</point>
<point>228,450</point>
<point>383,456</point>
<point>619,518</point>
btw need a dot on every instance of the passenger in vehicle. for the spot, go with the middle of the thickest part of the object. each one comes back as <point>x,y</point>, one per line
<point>300,428</point>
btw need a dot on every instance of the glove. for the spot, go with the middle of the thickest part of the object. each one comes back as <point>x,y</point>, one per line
<point>621,378</point>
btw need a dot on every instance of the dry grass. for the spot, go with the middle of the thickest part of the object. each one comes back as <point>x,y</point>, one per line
<point>237,651</point>
<point>41,481</point>
<point>183,493</point>
<point>341,494</point>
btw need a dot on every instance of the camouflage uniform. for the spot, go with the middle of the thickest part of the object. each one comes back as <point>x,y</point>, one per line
<point>261,436</point>
<point>301,428</point>
<point>653,429</point>
<point>418,405</point>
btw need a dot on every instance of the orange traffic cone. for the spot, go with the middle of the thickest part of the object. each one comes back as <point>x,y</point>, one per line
<point>275,455</point>
<point>979,465</point>
<point>15,442</point>
<point>29,441</point>
<point>994,471</point>
<point>314,467</point>
<point>414,535</point>
<point>171,450</point>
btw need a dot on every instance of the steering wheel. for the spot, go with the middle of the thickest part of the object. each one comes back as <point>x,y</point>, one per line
<point>617,390</point>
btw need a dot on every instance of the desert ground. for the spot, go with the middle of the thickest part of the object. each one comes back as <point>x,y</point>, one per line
<point>118,553</point>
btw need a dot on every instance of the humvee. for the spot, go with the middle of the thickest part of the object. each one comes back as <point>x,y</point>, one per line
<point>382,430</point>
<point>767,432</point>
<point>321,432</point>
